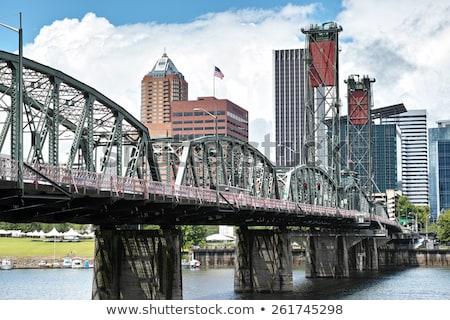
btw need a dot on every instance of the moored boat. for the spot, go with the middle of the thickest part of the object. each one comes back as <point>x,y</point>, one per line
<point>77,264</point>
<point>6,264</point>
<point>67,262</point>
<point>194,264</point>
<point>43,264</point>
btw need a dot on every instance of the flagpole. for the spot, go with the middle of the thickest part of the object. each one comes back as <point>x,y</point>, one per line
<point>214,82</point>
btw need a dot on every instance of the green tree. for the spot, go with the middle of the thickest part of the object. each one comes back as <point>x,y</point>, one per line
<point>403,209</point>
<point>406,212</point>
<point>193,236</point>
<point>443,223</point>
<point>46,227</point>
<point>423,216</point>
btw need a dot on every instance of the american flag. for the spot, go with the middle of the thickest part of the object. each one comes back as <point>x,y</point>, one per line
<point>218,73</point>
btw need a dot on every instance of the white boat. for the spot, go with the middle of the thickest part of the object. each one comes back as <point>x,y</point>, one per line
<point>77,264</point>
<point>43,264</point>
<point>194,264</point>
<point>6,264</point>
<point>67,262</point>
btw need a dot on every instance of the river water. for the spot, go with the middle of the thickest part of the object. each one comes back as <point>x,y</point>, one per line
<point>417,283</point>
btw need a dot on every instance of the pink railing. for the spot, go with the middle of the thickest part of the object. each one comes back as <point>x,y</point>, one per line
<point>82,181</point>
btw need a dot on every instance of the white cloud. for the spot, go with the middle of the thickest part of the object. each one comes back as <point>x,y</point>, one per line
<point>404,45</point>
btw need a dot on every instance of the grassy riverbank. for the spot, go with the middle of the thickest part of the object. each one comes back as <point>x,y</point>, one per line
<point>26,252</point>
<point>26,247</point>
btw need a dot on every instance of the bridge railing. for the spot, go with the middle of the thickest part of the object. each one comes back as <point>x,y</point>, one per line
<point>8,171</point>
<point>82,182</point>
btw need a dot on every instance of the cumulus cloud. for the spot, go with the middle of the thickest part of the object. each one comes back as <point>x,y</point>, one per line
<point>403,45</point>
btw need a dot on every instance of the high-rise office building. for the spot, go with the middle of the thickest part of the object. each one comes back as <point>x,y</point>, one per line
<point>163,85</point>
<point>413,128</point>
<point>289,102</point>
<point>439,162</point>
<point>386,152</point>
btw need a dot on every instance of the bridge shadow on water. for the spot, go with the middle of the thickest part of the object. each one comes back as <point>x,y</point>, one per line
<point>415,283</point>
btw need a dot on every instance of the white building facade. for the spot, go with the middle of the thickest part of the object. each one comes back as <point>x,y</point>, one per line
<point>414,154</point>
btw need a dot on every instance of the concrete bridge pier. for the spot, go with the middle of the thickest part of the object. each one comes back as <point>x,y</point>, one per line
<point>263,261</point>
<point>326,256</point>
<point>137,265</point>
<point>365,254</point>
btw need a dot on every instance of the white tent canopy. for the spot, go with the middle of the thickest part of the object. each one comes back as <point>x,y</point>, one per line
<point>71,233</point>
<point>35,233</point>
<point>53,233</point>
<point>88,235</point>
<point>4,232</point>
<point>219,237</point>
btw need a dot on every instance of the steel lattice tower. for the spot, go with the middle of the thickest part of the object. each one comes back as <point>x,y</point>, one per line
<point>359,130</point>
<point>321,145</point>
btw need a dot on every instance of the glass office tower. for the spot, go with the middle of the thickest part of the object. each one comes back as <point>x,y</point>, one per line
<point>386,139</point>
<point>439,166</point>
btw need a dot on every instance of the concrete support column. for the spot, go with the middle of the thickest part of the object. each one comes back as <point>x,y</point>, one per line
<point>365,255</point>
<point>171,264</point>
<point>371,253</point>
<point>263,261</point>
<point>342,268</point>
<point>137,265</point>
<point>243,267</point>
<point>326,257</point>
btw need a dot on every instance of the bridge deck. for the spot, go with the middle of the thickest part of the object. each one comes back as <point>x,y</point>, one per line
<point>56,194</point>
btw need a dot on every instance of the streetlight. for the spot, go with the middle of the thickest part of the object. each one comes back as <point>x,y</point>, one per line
<point>17,136</point>
<point>217,150</point>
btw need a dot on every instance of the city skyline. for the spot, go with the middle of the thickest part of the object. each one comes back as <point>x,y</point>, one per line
<point>110,46</point>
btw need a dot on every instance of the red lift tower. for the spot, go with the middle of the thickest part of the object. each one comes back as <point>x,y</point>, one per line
<point>359,129</point>
<point>322,137</point>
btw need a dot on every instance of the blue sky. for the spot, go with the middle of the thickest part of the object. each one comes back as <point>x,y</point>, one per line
<point>111,45</point>
<point>134,11</point>
<point>36,14</point>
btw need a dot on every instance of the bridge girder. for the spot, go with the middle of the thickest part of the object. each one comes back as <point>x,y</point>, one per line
<point>314,185</point>
<point>67,123</point>
<point>235,165</point>
<point>310,184</point>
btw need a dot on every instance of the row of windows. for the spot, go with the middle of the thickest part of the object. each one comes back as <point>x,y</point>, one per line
<point>155,98</point>
<point>155,107</point>
<point>197,121</point>
<point>161,93</point>
<point>288,54</point>
<point>197,128</point>
<point>236,117</point>
<point>160,83</point>
<point>196,113</point>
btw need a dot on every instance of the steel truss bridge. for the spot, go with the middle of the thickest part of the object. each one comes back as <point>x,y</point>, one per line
<point>87,160</point>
